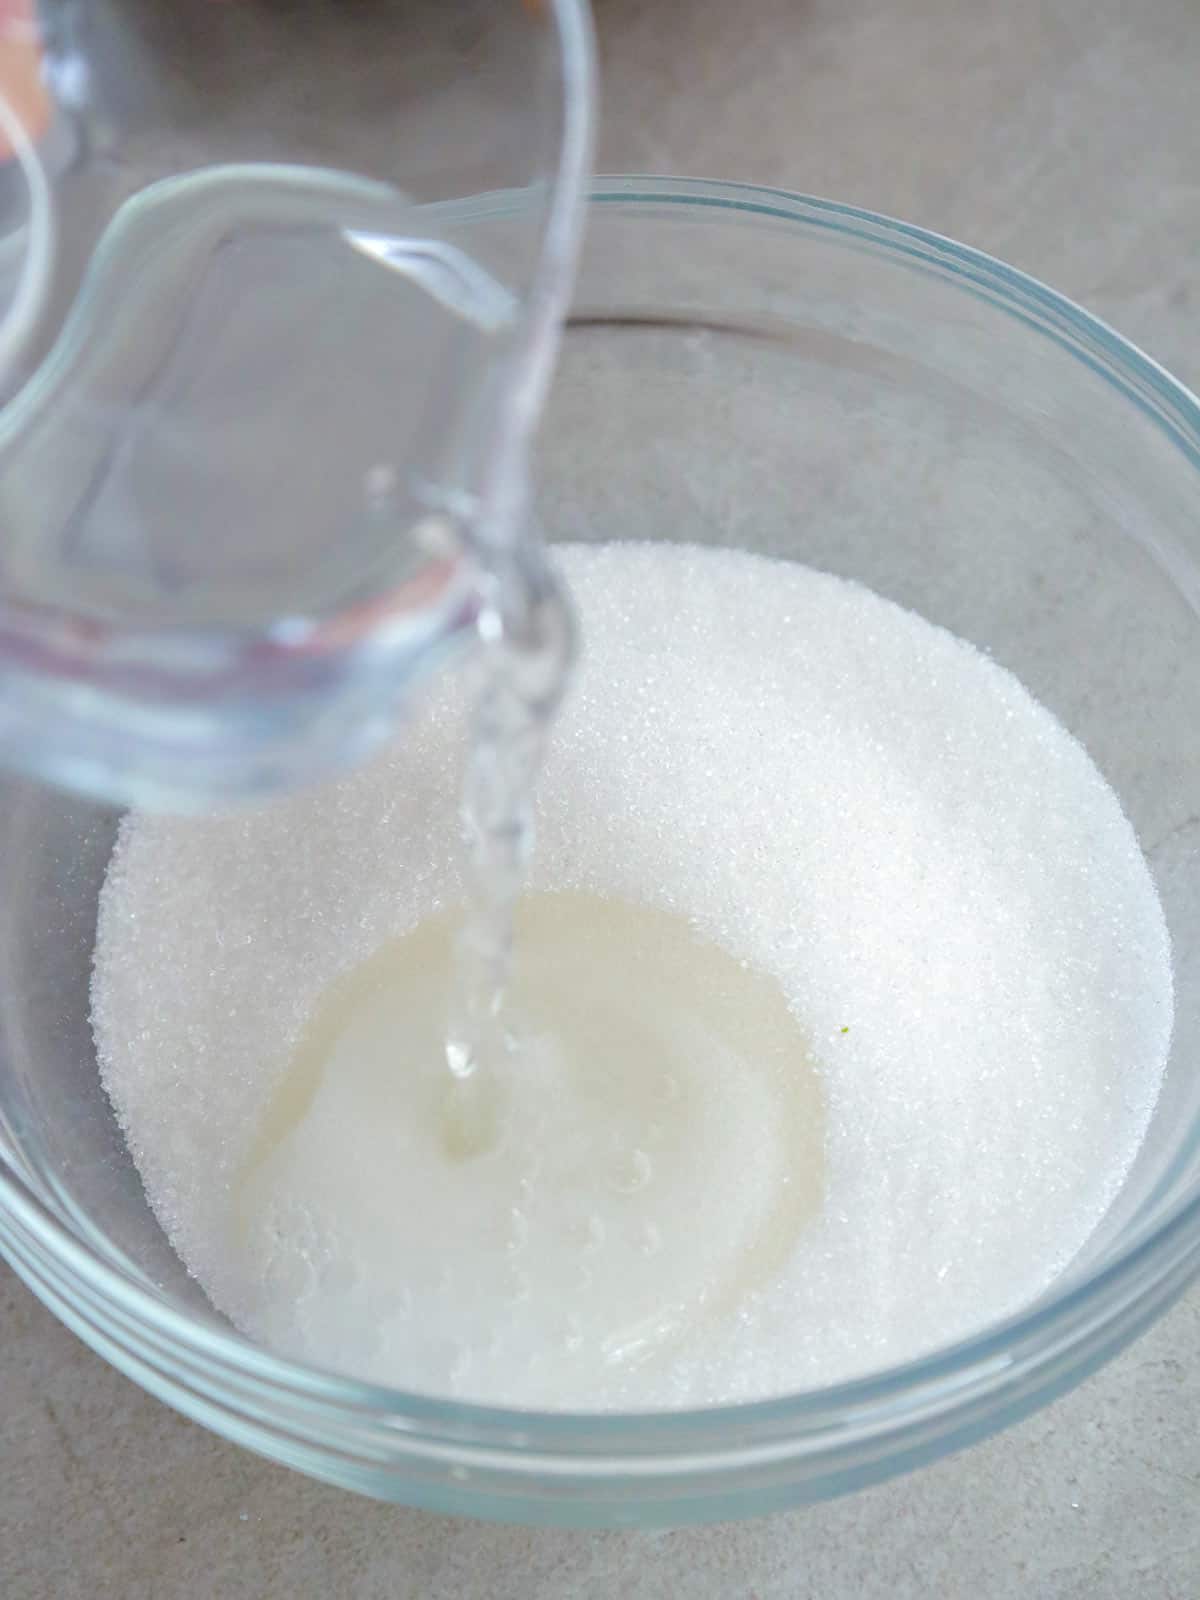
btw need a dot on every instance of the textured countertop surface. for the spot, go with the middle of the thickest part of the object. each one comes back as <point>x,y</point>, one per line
<point>1064,136</point>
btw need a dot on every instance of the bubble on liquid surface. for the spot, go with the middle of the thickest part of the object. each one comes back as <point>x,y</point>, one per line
<point>635,1171</point>
<point>651,1239</point>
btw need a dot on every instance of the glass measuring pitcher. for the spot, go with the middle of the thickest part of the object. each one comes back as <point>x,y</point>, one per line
<point>280,286</point>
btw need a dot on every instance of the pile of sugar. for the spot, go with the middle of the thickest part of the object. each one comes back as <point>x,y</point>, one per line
<point>841,794</point>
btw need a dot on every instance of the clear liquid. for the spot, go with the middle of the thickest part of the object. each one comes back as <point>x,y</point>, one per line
<point>269,376</point>
<point>528,660</point>
<point>651,1163</point>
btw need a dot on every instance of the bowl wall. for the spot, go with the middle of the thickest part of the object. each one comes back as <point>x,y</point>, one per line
<point>754,369</point>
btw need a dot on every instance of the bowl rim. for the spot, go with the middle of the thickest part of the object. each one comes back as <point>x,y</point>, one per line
<point>845,1431</point>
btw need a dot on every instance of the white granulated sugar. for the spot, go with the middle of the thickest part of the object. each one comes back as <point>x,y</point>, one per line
<point>840,794</point>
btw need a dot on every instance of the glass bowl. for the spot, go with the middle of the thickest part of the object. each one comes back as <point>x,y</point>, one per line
<point>753,368</point>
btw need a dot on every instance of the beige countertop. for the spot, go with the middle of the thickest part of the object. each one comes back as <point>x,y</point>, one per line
<point>1064,136</point>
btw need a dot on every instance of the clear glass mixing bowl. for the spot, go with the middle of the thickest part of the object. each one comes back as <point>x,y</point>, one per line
<point>751,368</point>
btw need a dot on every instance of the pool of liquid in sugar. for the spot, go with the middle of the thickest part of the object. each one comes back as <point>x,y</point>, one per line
<point>652,1162</point>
